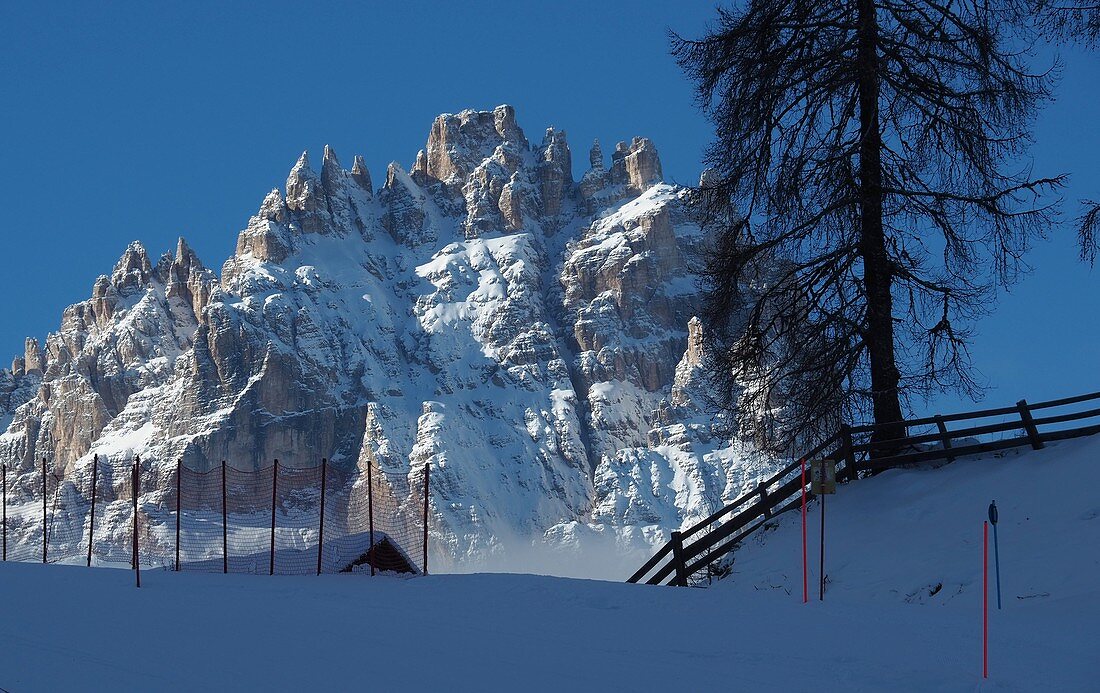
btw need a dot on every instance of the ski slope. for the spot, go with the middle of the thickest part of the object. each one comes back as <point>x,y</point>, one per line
<point>891,540</point>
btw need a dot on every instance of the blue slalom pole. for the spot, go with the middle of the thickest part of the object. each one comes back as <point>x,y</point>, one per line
<point>996,553</point>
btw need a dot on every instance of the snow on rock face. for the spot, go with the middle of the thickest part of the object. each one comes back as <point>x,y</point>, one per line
<point>523,335</point>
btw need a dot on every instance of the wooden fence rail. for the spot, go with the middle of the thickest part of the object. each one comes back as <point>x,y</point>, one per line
<point>699,546</point>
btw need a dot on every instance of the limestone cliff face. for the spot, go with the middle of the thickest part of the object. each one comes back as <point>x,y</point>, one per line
<point>527,335</point>
<point>111,351</point>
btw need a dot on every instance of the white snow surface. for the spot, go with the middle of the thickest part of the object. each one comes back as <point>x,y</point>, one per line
<point>889,540</point>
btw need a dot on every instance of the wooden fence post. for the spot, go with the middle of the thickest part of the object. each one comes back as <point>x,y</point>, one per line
<point>763,491</point>
<point>179,507</point>
<point>945,437</point>
<point>848,452</point>
<point>321,524</point>
<point>135,487</point>
<point>426,497</point>
<point>678,559</point>
<point>225,527</point>
<point>91,519</point>
<point>370,513</point>
<point>1029,425</point>
<point>45,539</point>
<point>274,491</point>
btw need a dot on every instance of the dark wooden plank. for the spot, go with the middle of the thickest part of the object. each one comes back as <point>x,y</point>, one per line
<point>929,455</point>
<point>972,432</point>
<point>725,548</point>
<point>722,531</point>
<point>1053,436</point>
<point>789,469</point>
<point>1062,418</point>
<point>967,416</point>
<point>775,498</point>
<point>982,413</point>
<point>664,551</point>
<point>711,519</point>
<point>1065,401</point>
<point>929,420</point>
<point>898,442</point>
<point>659,577</point>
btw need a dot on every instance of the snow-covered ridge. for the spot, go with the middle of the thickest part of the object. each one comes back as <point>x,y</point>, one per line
<point>523,334</point>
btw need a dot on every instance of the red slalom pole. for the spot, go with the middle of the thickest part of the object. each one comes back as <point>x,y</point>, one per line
<point>805,566</point>
<point>985,600</point>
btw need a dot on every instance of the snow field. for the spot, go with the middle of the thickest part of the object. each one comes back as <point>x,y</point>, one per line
<point>880,628</point>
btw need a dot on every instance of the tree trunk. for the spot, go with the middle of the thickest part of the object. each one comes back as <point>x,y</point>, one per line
<point>877,274</point>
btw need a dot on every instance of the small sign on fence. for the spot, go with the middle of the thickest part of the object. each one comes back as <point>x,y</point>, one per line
<point>822,476</point>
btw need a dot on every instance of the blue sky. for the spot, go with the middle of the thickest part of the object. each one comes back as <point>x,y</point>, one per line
<point>128,121</point>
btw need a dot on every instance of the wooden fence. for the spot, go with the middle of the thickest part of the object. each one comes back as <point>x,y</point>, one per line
<point>928,440</point>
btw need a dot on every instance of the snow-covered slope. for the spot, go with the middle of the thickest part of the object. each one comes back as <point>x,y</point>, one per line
<point>915,536</point>
<point>525,335</point>
<point>891,539</point>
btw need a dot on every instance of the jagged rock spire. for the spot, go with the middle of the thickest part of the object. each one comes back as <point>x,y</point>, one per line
<point>555,170</point>
<point>133,268</point>
<point>34,359</point>
<point>360,175</point>
<point>302,186</point>
<point>332,176</point>
<point>595,156</point>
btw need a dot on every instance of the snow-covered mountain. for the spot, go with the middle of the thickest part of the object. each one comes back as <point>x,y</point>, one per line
<point>529,336</point>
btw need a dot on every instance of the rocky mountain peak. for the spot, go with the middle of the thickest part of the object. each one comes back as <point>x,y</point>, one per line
<point>636,167</point>
<point>303,187</point>
<point>555,170</point>
<point>34,360</point>
<point>132,270</point>
<point>458,143</point>
<point>528,338</point>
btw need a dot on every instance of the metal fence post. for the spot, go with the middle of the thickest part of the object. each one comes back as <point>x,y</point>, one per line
<point>274,491</point>
<point>91,520</point>
<point>135,486</point>
<point>426,497</point>
<point>370,513</point>
<point>44,535</point>
<point>5,484</point>
<point>321,524</point>
<point>225,527</point>
<point>179,505</point>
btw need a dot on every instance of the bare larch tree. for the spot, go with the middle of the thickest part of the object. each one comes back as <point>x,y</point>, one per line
<point>1077,21</point>
<point>872,154</point>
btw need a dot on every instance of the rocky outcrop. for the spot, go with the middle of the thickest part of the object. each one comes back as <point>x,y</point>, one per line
<point>122,341</point>
<point>635,167</point>
<point>528,337</point>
